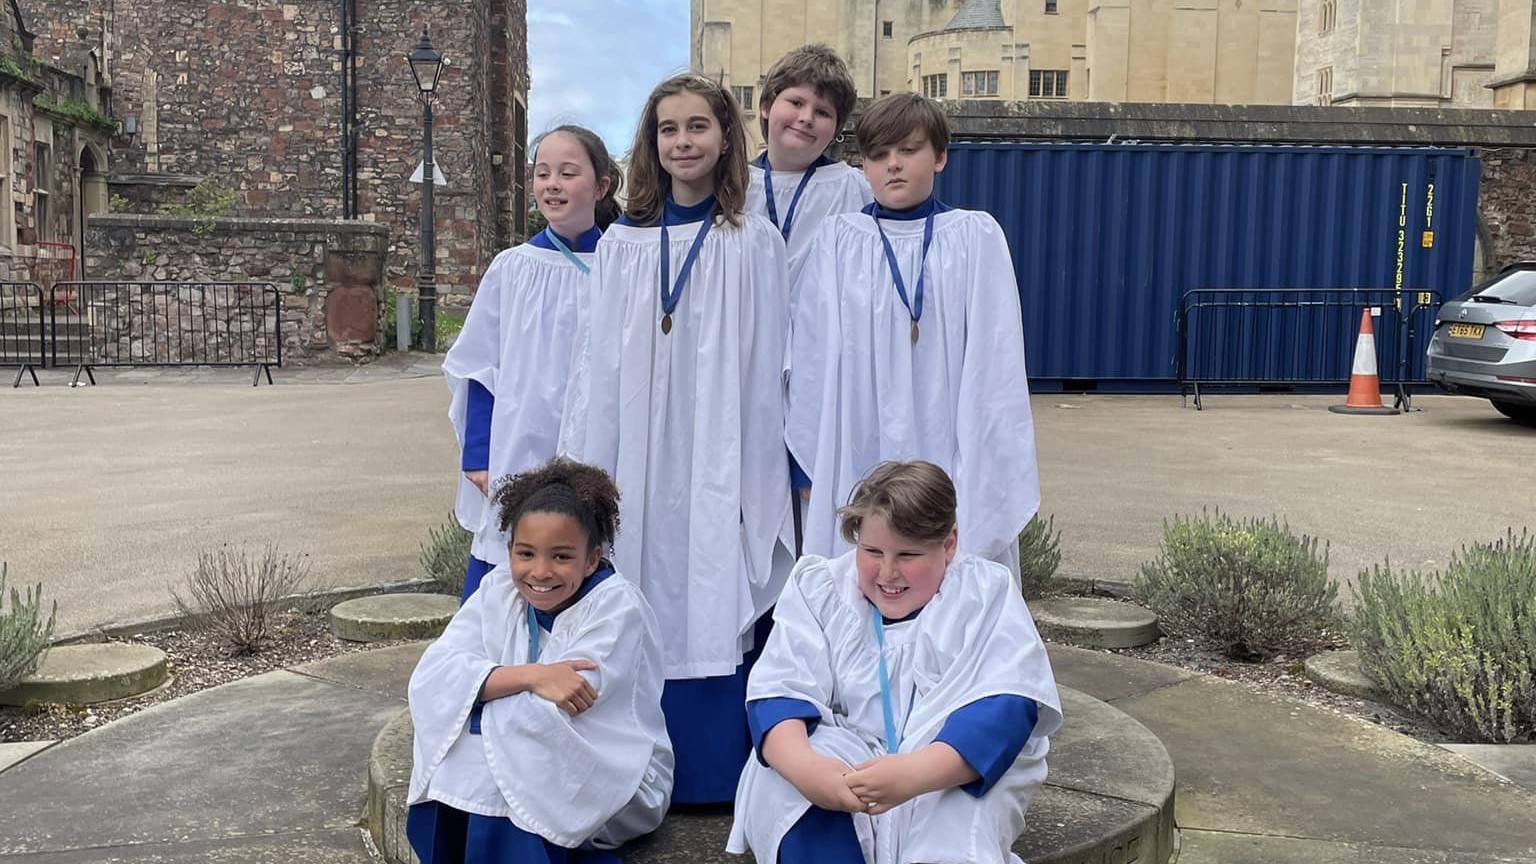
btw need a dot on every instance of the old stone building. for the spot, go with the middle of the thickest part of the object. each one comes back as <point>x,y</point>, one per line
<point>53,151</point>
<point>1207,51</point>
<point>1409,53</point>
<point>1415,53</point>
<point>307,109</point>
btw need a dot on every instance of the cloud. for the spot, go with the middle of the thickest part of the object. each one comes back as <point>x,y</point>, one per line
<point>593,62</point>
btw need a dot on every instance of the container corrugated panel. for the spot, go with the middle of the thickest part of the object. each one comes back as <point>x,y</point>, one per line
<point>1107,238</point>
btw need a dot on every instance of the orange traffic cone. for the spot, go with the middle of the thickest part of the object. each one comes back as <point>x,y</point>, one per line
<point>1364,385</point>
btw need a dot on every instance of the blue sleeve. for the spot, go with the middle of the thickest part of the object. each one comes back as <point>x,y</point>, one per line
<point>764,714</point>
<point>798,479</point>
<point>477,428</point>
<point>988,734</point>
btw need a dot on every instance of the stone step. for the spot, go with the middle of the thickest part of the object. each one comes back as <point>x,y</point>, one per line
<point>90,673</point>
<point>1109,797</point>
<point>1340,672</point>
<point>392,616</point>
<point>1092,622</point>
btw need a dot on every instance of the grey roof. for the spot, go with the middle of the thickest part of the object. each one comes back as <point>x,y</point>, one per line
<point>978,13</point>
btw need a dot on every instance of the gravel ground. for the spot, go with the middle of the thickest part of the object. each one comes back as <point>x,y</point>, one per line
<point>198,660</point>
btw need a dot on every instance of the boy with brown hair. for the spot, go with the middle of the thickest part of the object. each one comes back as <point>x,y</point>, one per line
<point>806,98</point>
<point>907,343</point>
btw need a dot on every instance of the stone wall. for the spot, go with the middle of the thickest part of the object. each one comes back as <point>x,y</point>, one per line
<point>249,94</point>
<point>329,274</point>
<point>1507,208</point>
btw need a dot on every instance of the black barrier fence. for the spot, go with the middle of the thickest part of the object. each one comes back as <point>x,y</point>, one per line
<point>1300,337</point>
<point>111,324</point>
<point>23,329</point>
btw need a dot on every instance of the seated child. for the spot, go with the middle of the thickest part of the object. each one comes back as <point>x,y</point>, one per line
<point>538,725</point>
<point>902,706</point>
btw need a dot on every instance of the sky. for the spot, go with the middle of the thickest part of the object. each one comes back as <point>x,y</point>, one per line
<point>593,62</point>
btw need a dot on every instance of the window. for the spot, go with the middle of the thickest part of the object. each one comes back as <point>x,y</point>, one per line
<point>1050,7</point>
<point>1327,15</point>
<point>1047,83</point>
<point>7,211</point>
<point>887,29</point>
<point>936,86</point>
<point>744,98</point>
<point>1324,94</point>
<point>978,83</point>
<point>42,186</point>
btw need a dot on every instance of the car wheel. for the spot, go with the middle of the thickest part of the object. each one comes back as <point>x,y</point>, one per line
<point>1525,414</point>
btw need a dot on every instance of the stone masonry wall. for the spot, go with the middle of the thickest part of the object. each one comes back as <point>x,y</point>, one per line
<point>249,93</point>
<point>329,274</point>
<point>1506,208</point>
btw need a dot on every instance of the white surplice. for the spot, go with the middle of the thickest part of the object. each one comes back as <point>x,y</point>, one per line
<point>599,778</point>
<point>974,639</point>
<point>519,342</point>
<point>860,392</point>
<point>690,425</point>
<point>833,189</point>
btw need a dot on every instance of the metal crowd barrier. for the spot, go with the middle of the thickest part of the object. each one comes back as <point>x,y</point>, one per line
<point>112,324</point>
<point>23,329</point>
<point>1298,337</point>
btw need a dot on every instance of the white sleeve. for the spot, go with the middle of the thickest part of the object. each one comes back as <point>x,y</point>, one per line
<point>797,661</point>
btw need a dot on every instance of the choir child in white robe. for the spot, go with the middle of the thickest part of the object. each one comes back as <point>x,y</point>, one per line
<point>907,343</point>
<point>539,737</point>
<point>509,369</point>
<point>680,396</point>
<point>805,99</point>
<point>903,705</point>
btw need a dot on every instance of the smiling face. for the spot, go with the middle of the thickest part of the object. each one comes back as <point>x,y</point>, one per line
<point>900,575</point>
<point>800,126</point>
<point>689,142</point>
<point>550,557</point>
<point>902,175</point>
<point>565,186</point>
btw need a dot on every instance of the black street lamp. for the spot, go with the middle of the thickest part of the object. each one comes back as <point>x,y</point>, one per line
<point>426,67</point>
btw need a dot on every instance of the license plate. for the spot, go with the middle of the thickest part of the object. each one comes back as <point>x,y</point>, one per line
<point>1467,331</point>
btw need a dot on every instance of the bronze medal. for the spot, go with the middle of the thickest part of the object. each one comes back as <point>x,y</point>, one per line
<point>666,324</point>
<point>914,332</point>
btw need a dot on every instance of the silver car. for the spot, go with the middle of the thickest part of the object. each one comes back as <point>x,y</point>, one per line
<point>1485,343</point>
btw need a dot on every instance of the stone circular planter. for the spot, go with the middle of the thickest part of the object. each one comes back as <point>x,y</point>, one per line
<point>90,673</point>
<point>1093,622</point>
<point>392,616</point>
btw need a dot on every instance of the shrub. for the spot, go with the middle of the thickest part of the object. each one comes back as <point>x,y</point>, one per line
<point>1250,588</point>
<point>24,632</point>
<point>445,556</point>
<point>238,595</point>
<point>1039,555</point>
<point>1459,648</point>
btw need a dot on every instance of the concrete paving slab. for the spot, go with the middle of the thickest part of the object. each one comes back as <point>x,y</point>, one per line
<point>277,753</point>
<point>110,492</point>
<point>1514,762</point>
<point>392,616</point>
<point>1250,763</point>
<point>88,674</point>
<point>12,754</point>
<point>1102,751</point>
<point>1209,847</point>
<point>1094,622</point>
<point>336,846</point>
<point>1111,677</point>
<point>386,671</point>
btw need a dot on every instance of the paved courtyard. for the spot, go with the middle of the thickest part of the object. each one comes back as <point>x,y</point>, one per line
<point>108,493</point>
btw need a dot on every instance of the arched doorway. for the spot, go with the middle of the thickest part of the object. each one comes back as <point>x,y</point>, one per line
<point>92,199</point>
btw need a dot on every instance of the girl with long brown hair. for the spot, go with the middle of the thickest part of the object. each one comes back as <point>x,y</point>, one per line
<point>680,396</point>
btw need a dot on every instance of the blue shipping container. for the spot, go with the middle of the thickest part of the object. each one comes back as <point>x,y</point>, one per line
<point>1107,238</point>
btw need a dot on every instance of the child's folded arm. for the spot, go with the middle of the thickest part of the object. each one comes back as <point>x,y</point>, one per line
<point>989,735</point>
<point>764,714</point>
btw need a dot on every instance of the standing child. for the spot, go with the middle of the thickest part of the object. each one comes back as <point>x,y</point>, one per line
<point>680,395</point>
<point>908,343</point>
<point>509,368</point>
<point>539,735</point>
<point>903,704</point>
<point>806,98</point>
